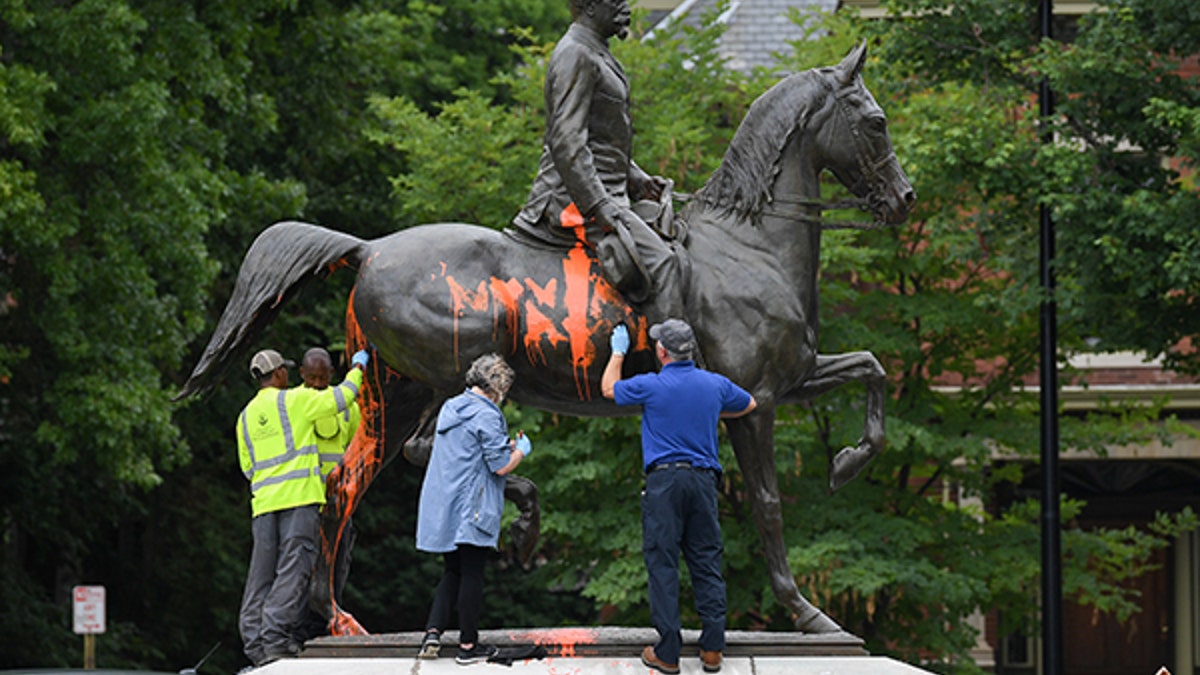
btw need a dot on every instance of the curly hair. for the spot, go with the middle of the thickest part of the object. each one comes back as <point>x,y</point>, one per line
<point>491,374</point>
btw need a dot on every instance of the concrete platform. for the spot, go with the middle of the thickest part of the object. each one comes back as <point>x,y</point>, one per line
<point>593,651</point>
<point>595,665</point>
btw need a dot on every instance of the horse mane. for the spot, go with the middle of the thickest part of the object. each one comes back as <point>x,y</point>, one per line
<point>742,185</point>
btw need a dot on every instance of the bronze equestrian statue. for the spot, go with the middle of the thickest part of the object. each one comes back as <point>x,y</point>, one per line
<point>429,299</point>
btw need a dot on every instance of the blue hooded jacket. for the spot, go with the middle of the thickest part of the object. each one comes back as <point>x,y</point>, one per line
<point>462,498</point>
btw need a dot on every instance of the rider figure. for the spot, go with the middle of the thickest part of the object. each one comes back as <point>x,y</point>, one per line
<point>586,180</point>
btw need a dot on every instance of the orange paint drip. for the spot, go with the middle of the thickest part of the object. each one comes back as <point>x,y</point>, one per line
<point>576,269</point>
<point>532,307</point>
<point>571,219</point>
<point>460,299</point>
<point>363,460</point>
<point>506,294</point>
<point>538,326</point>
<point>546,295</point>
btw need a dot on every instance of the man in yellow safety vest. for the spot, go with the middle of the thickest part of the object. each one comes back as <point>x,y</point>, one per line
<point>278,453</point>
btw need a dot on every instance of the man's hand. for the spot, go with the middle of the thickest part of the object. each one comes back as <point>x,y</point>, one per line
<point>607,215</point>
<point>524,444</point>
<point>619,340</point>
<point>360,359</point>
<point>644,186</point>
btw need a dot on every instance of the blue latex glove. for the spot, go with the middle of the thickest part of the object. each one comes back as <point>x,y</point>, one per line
<point>523,443</point>
<point>360,359</point>
<point>620,339</point>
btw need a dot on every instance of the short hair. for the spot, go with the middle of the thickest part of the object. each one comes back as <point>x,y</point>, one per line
<point>317,356</point>
<point>679,356</point>
<point>491,374</point>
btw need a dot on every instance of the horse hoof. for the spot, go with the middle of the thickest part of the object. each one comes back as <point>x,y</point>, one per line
<point>847,464</point>
<point>818,623</point>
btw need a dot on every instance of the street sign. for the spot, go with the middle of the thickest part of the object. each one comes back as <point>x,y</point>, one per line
<point>89,609</point>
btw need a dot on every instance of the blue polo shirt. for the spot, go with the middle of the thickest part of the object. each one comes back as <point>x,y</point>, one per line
<point>681,406</point>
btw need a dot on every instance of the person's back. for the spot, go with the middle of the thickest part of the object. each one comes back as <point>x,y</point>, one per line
<point>281,474</point>
<point>681,406</point>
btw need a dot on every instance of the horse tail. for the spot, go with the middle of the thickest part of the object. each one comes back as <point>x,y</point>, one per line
<point>284,257</point>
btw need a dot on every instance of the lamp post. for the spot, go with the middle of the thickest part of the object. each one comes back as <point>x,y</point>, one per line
<point>1052,623</point>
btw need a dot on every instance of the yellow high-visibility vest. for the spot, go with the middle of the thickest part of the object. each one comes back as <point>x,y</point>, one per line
<point>334,434</point>
<point>277,443</point>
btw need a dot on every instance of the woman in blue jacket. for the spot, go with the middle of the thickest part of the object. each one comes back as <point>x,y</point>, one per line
<point>462,499</point>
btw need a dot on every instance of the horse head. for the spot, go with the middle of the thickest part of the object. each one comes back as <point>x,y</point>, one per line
<point>857,148</point>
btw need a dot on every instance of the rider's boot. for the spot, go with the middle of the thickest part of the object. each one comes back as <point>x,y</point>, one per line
<point>648,271</point>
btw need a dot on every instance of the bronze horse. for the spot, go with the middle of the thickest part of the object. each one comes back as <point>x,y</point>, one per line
<point>429,299</point>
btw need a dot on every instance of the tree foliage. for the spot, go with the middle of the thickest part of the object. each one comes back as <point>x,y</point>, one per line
<point>143,144</point>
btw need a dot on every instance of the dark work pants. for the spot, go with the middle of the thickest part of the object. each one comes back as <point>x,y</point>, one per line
<point>679,514</point>
<point>276,593</point>
<point>461,587</point>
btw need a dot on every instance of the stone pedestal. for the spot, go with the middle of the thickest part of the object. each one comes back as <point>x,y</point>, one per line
<point>594,651</point>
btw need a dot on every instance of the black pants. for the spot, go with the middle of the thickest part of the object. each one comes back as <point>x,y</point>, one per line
<point>462,587</point>
<point>679,514</point>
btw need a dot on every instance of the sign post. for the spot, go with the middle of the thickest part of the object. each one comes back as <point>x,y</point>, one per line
<point>89,619</point>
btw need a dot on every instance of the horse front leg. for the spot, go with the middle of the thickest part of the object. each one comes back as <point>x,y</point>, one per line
<point>754,444</point>
<point>832,371</point>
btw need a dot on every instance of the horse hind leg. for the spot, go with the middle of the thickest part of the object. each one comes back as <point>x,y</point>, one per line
<point>755,447</point>
<point>397,411</point>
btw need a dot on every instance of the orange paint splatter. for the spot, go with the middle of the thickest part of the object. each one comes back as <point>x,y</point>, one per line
<point>576,269</point>
<point>538,326</point>
<point>347,484</point>
<point>547,294</point>
<point>460,298</point>
<point>563,641</point>
<point>506,294</point>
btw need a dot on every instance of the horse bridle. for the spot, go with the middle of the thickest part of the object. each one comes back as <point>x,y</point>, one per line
<point>870,174</point>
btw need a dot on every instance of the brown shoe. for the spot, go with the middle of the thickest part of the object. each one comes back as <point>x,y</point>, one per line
<point>711,661</point>
<point>651,660</point>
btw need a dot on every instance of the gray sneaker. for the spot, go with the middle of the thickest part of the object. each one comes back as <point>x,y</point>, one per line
<point>430,645</point>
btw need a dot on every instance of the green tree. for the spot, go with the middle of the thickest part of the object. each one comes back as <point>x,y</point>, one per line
<point>1119,174</point>
<point>143,144</point>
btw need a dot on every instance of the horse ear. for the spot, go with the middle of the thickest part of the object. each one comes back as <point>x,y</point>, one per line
<point>851,66</point>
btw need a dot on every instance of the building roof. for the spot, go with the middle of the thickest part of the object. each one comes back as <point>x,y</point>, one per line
<point>756,30</point>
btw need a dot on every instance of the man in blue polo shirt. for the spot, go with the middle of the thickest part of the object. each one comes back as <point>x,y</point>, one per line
<point>680,408</point>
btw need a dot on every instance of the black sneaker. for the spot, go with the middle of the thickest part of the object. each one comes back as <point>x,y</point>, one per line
<point>480,652</point>
<point>430,645</point>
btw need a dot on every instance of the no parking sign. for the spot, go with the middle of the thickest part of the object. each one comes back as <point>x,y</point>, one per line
<point>89,609</point>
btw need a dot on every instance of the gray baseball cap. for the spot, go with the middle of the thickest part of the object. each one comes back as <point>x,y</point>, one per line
<point>266,361</point>
<point>675,335</point>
